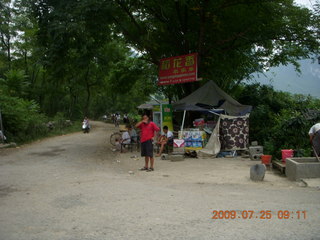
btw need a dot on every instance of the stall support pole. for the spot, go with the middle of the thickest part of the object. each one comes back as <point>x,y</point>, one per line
<point>184,117</point>
<point>161,127</point>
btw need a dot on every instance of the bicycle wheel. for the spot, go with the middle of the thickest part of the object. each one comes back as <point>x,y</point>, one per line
<point>115,137</point>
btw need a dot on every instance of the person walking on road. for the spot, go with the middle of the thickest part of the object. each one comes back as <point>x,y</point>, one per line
<point>147,128</point>
<point>125,118</point>
<point>117,120</point>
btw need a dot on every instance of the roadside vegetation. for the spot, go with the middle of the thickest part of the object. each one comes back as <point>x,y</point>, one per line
<point>25,123</point>
<point>280,120</point>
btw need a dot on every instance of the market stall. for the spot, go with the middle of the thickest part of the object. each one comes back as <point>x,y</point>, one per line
<point>229,130</point>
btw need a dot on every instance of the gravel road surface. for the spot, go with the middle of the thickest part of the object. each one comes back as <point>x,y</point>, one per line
<point>74,187</point>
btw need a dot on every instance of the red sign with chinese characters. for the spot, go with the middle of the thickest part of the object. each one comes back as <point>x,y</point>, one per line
<point>179,69</point>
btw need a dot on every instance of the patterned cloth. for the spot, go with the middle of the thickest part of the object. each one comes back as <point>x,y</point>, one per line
<point>234,132</point>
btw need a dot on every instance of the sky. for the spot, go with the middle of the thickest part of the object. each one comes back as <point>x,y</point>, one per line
<point>307,3</point>
<point>285,78</point>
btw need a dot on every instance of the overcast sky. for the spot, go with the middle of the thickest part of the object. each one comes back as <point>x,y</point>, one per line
<point>285,78</point>
<point>307,3</point>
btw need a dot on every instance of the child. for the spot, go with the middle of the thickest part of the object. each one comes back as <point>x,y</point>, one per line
<point>166,138</point>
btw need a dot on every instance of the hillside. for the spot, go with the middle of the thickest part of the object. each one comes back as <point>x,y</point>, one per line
<point>285,78</point>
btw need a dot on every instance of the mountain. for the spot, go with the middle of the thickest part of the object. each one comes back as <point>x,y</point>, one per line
<point>285,78</point>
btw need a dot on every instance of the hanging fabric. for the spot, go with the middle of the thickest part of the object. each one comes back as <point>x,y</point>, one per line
<point>213,146</point>
<point>234,132</point>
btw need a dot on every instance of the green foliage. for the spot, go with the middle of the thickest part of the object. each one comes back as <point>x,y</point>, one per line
<point>21,118</point>
<point>23,121</point>
<point>233,38</point>
<point>14,83</point>
<point>279,120</point>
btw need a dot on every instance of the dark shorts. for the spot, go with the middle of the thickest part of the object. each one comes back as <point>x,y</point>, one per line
<point>147,149</point>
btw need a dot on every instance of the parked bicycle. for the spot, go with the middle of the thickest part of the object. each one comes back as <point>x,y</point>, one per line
<point>115,137</point>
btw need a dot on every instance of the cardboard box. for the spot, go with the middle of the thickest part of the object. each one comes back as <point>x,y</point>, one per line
<point>178,143</point>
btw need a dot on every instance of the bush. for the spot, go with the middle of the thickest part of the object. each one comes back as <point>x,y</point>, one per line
<point>23,122</point>
<point>21,119</point>
<point>280,120</point>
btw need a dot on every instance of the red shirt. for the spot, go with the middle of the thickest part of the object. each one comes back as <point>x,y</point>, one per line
<point>147,131</point>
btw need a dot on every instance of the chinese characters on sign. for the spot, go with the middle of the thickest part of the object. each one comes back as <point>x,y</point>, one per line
<point>179,69</point>
<point>167,116</point>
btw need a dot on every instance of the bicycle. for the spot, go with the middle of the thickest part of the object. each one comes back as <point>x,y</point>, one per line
<point>115,137</point>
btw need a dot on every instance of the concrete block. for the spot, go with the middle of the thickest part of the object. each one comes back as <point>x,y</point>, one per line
<point>257,172</point>
<point>164,156</point>
<point>298,168</point>
<point>256,157</point>
<point>178,150</point>
<point>255,150</point>
<point>176,158</point>
<point>254,143</point>
<point>177,153</point>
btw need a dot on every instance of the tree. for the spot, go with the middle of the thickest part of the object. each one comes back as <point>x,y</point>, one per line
<point>233,38</point>
<point>83,58</point>
<point>279,120</point>
<point>7,30</point>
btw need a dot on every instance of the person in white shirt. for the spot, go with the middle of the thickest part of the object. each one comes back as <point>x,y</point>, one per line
<point>314,134</point>
<point>117,118</point>
<point>125,138</point>
<point>125,118</point>
<point>166,138</point>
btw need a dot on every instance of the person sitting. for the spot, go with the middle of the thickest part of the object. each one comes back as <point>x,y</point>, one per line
<point>166,138</point>
<point>125,138</point>
<point>133,134</point>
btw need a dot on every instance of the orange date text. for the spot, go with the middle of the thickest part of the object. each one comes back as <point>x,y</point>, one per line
<point>261,214</point>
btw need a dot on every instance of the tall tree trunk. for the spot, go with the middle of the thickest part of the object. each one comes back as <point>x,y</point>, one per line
<point>86,108</point>
<point>5,39</point>
<point>86,111</point>
<point>9,55</point>
<point>26,62</point>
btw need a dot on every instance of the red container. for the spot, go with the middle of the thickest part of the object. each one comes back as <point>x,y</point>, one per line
<point>266,159</point>
<point>286,153</point>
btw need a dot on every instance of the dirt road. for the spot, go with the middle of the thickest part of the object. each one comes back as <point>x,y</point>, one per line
<point>74,187</point>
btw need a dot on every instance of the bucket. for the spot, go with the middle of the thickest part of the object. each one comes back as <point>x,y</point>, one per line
<point>266,159</point>
<point>286,153</point>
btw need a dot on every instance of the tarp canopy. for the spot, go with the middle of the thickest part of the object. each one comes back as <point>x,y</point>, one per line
<point>210,94</point>
<point>191,107</point>
<point>145,106</point>
<point>150,104</point>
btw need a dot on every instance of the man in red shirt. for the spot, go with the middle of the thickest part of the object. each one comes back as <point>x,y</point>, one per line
<point>146,137</point>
